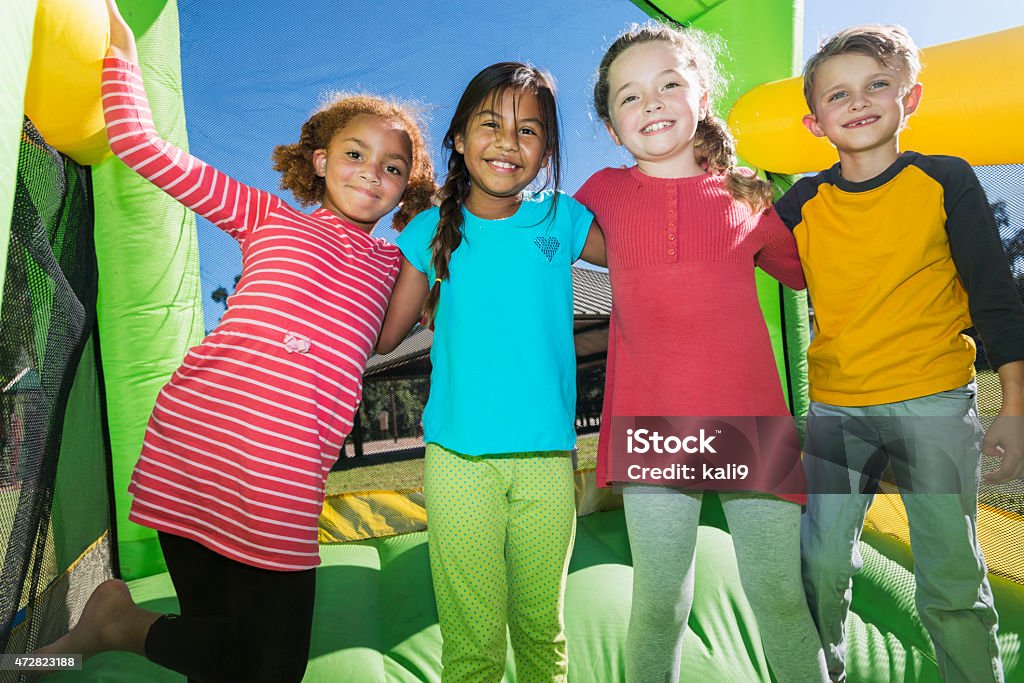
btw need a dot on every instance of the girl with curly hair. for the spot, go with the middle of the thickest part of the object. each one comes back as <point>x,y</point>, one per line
<point>242,437</point>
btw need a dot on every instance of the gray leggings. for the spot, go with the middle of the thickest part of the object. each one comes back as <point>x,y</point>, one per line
<point>765,530</point>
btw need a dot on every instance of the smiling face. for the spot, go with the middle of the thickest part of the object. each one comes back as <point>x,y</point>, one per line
<point>366,170</point>
<point>655,101</point>
<point>504,146</point>
<point>860,105</point>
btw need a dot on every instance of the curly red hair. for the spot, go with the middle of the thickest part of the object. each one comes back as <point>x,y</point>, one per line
<point>295,161</point>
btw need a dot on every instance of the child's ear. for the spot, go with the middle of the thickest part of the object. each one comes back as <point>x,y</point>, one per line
<point>912,99</point>
<point>460,143</point>
<point>611,131</point>
<point>811,123</point>
<point>703,107</point>
<point>320,162</point>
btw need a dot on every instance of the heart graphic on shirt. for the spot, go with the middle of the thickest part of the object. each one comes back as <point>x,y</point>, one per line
<point>548,246</point>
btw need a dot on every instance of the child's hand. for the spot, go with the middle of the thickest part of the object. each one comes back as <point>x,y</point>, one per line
<point>122,40</point>
<point>1005,439</point>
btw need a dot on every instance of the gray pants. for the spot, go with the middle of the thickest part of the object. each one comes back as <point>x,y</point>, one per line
<point>933,446</point>
<point>765,530</point>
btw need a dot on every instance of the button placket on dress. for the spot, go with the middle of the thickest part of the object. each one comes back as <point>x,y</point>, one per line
<point>671,229</point>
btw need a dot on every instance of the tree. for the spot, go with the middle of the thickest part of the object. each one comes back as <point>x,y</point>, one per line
<point>403,399</point>
<point>220,295</point>
<point>1014,244</point>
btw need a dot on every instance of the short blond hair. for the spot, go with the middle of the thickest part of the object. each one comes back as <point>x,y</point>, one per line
<point>888,44</point>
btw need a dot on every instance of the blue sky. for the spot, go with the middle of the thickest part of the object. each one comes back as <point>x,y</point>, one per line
<point>253,72</point>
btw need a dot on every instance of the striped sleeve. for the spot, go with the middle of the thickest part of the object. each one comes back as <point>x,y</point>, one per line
<point>230,205</point>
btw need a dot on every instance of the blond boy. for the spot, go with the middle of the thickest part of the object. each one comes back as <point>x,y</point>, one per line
<point>901,255</point>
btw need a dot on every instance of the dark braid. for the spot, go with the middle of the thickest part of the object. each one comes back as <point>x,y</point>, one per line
<point>488,85</point>
<point>449,227</point>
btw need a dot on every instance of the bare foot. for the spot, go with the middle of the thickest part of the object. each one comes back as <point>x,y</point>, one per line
<point>110,621</point>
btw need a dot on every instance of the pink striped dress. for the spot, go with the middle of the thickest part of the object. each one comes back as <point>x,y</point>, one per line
<point>244,434</point>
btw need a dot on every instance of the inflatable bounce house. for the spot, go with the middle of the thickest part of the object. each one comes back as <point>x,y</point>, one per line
<point>101,298</point>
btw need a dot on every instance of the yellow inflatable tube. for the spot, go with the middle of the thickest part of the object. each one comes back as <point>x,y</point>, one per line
<point>973,96</point>
<point>62,95</point>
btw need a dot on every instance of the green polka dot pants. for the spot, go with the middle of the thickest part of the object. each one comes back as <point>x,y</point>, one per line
<point>500,533</point>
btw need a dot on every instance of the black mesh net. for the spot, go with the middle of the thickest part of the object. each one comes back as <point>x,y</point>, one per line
<point>1001,507</point>
<point>49,395</point>
<point>1001,513</point>
<point>1004,186</point>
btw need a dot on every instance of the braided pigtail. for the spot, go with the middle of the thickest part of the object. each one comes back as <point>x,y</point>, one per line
<point>715,150</point>
<point>487,86</point>
<point>449,229</point>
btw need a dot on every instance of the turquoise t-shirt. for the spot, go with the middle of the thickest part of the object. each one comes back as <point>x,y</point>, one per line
<point>504,363</point>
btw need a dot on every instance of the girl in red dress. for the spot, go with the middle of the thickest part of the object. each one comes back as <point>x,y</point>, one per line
<point>683,232</point>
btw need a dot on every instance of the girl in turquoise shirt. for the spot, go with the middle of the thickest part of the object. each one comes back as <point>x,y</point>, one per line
<point>491,269</point>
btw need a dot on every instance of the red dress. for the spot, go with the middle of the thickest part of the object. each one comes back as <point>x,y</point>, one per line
<point>687,335</point>
<point>245,432</point>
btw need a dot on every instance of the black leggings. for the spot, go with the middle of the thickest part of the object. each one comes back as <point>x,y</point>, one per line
<point>237,622</point>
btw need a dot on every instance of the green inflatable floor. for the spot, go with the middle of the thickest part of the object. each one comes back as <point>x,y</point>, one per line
<point>375,618</point>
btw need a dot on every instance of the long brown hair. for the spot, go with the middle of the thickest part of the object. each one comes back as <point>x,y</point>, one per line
<point>295,161</point>
<point>488,85</point>
<point>714,147</point>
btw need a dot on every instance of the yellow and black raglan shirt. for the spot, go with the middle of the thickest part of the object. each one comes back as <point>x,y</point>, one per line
<point>897,268</point>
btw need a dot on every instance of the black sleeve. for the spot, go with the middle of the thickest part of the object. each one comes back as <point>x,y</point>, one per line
<point>996,308</point>
<point>789,206</point>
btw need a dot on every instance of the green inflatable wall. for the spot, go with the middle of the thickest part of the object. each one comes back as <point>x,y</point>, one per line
<point>149,306</point>
<point>15,51</point>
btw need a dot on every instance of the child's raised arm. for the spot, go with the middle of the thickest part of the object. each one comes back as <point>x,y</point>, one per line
<point>405,308</point>
<point>227,203</point>
<point>122,40</point>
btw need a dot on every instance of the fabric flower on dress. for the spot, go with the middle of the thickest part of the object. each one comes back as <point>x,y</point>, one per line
<point>296,343</point>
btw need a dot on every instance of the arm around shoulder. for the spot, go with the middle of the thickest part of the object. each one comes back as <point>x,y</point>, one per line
<point>405,307</point>
<point>584,233</point>
<point>779,256</point>
<point>593,248</point>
